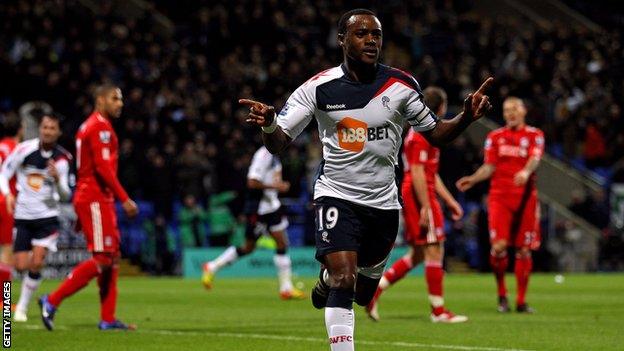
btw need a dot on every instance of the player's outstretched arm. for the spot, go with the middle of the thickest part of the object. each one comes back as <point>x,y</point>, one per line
<point>263,116</point>
<point>419,183</point>
<point>456,210</point>
<point>475,107</point>
<point>484,172</point>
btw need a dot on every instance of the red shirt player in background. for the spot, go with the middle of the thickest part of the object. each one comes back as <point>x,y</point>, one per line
<point>97,187</point>
<point>424,219</point>
<point>12,136</point>
<point>512,154</point>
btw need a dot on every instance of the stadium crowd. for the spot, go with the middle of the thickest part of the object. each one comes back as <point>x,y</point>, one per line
<point>182,132</point>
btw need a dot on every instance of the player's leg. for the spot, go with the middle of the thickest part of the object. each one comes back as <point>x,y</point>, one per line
<point>21,258</point>
<point>525,241</point>
<point>339,316</point>
<point>434,276</point>
<point>277,229</point>
<point>499,220</point>
<point>253,230</point>
<point>6,242</point>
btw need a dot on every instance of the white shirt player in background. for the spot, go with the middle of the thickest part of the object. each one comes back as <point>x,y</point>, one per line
<point>42,169</point>
<point>262,208</point>
<point>360,108</point>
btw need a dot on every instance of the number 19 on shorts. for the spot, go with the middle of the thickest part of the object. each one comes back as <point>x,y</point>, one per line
<point>329,220</point>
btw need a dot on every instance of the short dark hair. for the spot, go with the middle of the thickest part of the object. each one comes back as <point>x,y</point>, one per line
<point>11,126</point>
<point>342,23</point>
<point>103,89</point>
<point>434,98</point>
<point>53,116</point>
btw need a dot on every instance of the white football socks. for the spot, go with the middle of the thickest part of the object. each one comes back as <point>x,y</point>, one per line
<point>228,256</point>
<point>29,286</point>
<point>340,323</point>
<point>284,272</point>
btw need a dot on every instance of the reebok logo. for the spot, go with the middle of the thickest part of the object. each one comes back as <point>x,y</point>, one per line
<point>340,338</point>
<point>335,106</point>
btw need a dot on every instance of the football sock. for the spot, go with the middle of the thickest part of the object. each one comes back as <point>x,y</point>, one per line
<point>284,273</point>
<point>523,267</point>
<point>340,319</point>
<point>30,284</point>
<point>434,274</point>
<point>398,270</point>
<point>228,256</point>
<point>107,283</point>
<point>499,264</point>
<point>76,280</point>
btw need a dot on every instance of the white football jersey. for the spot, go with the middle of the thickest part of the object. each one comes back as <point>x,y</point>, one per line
<point>360,126</point>
<point>38,194</point>
<point>267,169</point>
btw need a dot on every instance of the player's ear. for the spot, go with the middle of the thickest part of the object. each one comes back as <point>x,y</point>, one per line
<point>341,37</point>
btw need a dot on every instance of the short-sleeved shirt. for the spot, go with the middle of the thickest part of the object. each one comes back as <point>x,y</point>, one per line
<point>38,194</point>
<point>96,161</point>
<point>267,169</point>
<point>360,126</point>
<point>509,151</point>
<point>418,151</point>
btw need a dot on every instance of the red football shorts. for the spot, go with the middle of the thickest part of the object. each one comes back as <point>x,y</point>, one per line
<point>515,220</point>
<point>414,233</point>
<point>6,224</point>
<point>99,224</point>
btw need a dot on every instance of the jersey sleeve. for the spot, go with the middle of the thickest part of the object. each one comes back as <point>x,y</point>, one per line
<point>537,145</point>
<point>260,163</point>
<point>417,114</point>
<point>490,150</point>
<point>10,166</point>
<point>64,188</point>
<point>298,111</point>
<point>100,139</point>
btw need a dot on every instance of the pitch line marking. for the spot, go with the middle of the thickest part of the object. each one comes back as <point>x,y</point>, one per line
<point>300,338</point>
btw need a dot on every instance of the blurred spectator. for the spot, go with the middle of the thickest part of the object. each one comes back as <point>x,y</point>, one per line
<point>193,220</point>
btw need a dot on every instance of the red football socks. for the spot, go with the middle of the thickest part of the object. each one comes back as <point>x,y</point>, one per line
<point>499,267</point>
<point>399,269</point>
<point>76,280</point>
<point>5,272</point>
<point>107,282</point>
<point>434,274</point>
<point>523,268</point>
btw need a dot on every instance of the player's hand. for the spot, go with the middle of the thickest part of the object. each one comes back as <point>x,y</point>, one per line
<point>425,214</point>
<point>130,208</point>
<point>10,203</point>
<point>52,171</point>
<point>260,114</point>
<point>282,186</point>
<point>477,103</point>
<point>457,212</point>
<point>464,184</point>
<point>521,178</point>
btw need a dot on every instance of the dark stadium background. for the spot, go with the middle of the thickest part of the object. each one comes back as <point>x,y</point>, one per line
<point>183,65</point>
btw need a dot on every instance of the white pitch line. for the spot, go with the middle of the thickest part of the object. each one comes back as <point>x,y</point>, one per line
<point>299,338</point>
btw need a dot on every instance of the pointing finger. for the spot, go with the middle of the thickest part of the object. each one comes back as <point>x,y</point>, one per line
<point>485,86</point>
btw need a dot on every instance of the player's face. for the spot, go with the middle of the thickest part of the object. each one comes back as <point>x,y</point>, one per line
<point>363,39</point>
<point>49,130</point>
<point>113,103</point>
<point>514,112</point>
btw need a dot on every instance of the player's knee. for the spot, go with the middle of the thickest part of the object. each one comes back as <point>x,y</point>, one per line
<point>343,279</point>
<point>433,253</point>
<point>104,260</point>
<point>523,252</point>
<point>499,247</point>
<point>245,250</point>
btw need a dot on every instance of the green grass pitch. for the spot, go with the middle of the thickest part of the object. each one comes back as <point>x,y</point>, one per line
<point>583,313</point>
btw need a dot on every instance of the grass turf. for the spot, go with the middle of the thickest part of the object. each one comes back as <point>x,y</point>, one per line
<point>583,313</point>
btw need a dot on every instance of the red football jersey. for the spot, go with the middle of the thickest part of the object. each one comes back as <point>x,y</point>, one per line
<point>96,161</point>
<point>418,151</point>
<point>509,150</point>
<point>6,147</point>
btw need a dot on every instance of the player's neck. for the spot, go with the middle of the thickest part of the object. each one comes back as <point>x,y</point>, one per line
<point>47,146</point>
<point>518,127</point>
<point>103,114</point>
<point>360,72</point>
